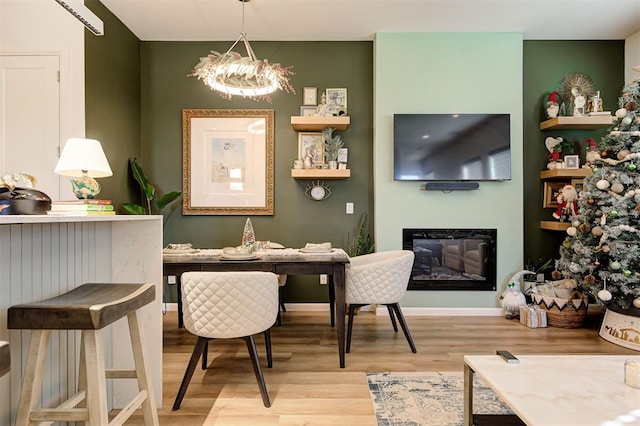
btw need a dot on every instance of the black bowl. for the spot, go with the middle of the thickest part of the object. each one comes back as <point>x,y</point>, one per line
<point>23,201</point>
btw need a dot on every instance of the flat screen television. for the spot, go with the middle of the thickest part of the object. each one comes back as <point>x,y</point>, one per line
<point>452,259</point>
<point>452,147</point>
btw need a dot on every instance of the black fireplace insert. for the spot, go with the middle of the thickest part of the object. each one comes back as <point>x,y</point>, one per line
<point>452,259</point>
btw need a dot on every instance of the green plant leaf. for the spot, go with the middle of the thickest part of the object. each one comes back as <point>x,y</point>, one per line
<point>168,198</point>
<point>132,208</point>
<point>141,178</point>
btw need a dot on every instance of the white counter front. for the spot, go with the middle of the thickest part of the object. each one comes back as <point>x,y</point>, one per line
<point>43,256</point>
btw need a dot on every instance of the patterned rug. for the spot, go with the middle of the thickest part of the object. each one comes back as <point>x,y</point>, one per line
<point>433,399</point>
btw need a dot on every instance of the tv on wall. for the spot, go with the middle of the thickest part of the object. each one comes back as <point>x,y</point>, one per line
<point>452,147</point>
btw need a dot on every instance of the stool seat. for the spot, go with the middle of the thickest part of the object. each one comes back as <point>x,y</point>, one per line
<point>5,358</point>
<point>87,307</point>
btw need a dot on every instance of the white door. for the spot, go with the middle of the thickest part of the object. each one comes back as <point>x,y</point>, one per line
<point>30,119</point>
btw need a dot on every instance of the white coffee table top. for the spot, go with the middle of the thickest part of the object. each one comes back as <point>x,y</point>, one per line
<point>562,390</point>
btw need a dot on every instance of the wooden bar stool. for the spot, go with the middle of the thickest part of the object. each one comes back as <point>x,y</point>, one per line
<point>5,358</point>
<point>89,308</point>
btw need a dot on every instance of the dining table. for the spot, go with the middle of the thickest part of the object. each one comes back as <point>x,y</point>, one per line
<point>288,261</point>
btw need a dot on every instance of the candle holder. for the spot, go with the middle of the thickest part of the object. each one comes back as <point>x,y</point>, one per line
<point>632,373</point>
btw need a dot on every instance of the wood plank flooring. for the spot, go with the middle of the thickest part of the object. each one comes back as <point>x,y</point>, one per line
<point>307,387</point>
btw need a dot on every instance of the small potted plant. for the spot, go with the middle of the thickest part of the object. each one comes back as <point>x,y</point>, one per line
<point>331,146</point>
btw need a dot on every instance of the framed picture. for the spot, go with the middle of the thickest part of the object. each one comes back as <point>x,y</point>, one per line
<point>311,144</point>
<point>551,192</point>
<point>337,100</point>
<point>307,111</point>
<point>309,96</point>
<point>572,161</point>
<point>343,154</point>
<point>227,161</point>
<point>578,184</point>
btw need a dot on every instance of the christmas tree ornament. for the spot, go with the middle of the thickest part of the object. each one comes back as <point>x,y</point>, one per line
<point>617,187</point>
<point>626,273</point>
<point>571,231</point>
<point>603,154</point>
<point>621,113</point>
<point>615,265</point>
<point>566,244</point>
<point>589,279</point>
<point>574,267</point>
<point>590,201</point>
<point>556,275</point>
<point>584,228</point>
<point>594,169</point>
<point>575,223</point>
<point>631,106</point>
<point>596,263</point>
<point>636,302</point>
<point>596,231</point>
<point>622,154</point>
<point>605,295</point>
<point>603,184</point>
<point>248,236</point>
<point>626,121</point>
<point>631,167</point>
<point>613,213</point>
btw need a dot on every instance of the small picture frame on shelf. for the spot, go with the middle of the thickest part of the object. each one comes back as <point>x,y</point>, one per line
<point>311,145</point>
<point>309,96</point>
<point>578,184</point>
<point>343,154</point>
<point>551,192</point>
<point>337,100</point>
<point>572,161</point>
<point>307,111</point>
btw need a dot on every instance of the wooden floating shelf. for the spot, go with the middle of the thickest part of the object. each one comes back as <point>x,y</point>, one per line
<point>565,173</point>
<point>317,124</point>
<point>593,122</point>
<point>554,226</point>
<point>320,173</point>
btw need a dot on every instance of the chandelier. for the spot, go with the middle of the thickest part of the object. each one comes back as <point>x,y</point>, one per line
<point>231,74</point>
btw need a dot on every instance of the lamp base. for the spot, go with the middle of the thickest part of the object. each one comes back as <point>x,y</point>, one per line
<point>85,187</point>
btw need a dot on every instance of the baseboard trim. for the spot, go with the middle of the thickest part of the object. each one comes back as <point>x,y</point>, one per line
<point>407,311</point>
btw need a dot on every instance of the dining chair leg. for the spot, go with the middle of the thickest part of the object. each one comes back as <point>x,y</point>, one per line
<point>253,354</point>
<point>403,324</point>
<point>352,313</point>
<point>198,350</point>
<point>267,344</point>
<point>205,353</point>
<point>393,318</point>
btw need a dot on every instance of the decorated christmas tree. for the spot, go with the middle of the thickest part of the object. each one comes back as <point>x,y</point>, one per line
<point>602,249</point>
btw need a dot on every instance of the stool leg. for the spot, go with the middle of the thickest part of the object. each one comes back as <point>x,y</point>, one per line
<point>149,412</point>
<point>33,375</point>
<point>96,381</point>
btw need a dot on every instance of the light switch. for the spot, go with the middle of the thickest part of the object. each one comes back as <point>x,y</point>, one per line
<point>323,278</point>
<point>349,208</point>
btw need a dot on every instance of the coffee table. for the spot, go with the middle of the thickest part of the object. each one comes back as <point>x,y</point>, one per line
<point>557,390</point>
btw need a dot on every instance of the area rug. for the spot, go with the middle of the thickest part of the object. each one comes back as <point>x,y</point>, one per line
<point>433,399</point>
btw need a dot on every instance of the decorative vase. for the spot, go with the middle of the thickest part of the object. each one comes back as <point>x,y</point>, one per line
<point>333,165</point>
<point>621,326</point>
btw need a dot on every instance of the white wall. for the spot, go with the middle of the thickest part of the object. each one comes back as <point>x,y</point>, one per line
<point>42,27</point>
<point>631,57</point>
<point>439,73</point>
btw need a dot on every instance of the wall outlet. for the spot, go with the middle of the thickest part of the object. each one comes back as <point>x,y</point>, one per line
<point>171,279</point>
<point>349,208</point>
<point>323,278</point>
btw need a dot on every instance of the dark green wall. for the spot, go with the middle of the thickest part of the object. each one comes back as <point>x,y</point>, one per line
<point>545,63</point>
<point>112,99</point>
<point>166,91</point>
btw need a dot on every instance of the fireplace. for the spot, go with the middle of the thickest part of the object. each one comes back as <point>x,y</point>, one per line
<point>452,259</point>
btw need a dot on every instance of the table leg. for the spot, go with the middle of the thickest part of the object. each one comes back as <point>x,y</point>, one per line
<point>468,396</point>
<point>339,291</point>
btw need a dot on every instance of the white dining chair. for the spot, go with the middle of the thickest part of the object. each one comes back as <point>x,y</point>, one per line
<point>227,305</point>
<point>379,278</point>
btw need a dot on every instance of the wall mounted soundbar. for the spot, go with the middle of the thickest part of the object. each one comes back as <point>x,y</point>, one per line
<point>451,186</point>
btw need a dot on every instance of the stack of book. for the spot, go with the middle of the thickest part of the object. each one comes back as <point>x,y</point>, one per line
<point>85,207</point>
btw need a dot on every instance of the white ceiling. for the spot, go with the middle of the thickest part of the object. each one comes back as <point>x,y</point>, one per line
<point>340,20</point>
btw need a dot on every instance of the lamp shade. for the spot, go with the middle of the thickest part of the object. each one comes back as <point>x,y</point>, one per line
<point>83,156</point>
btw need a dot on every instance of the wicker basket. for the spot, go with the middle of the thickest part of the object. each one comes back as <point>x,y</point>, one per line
<point>563,313</point>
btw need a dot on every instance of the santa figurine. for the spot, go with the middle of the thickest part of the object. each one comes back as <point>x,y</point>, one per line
<point>592,154</point>
<point>567,203</point>
<point>553,106</point>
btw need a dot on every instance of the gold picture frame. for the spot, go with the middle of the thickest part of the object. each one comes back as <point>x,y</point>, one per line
<point>228,161</point>
<point>551,192</point>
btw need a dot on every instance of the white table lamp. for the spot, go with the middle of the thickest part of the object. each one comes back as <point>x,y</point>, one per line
<point>84,160</point>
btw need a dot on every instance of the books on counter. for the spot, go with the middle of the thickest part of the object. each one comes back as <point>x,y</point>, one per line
<point>86,207</point>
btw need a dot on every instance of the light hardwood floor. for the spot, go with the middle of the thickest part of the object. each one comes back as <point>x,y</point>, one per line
<point>307,387</point>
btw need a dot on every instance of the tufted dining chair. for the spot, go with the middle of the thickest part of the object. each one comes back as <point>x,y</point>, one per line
<point>379,278</point>
<point>227,305</point>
